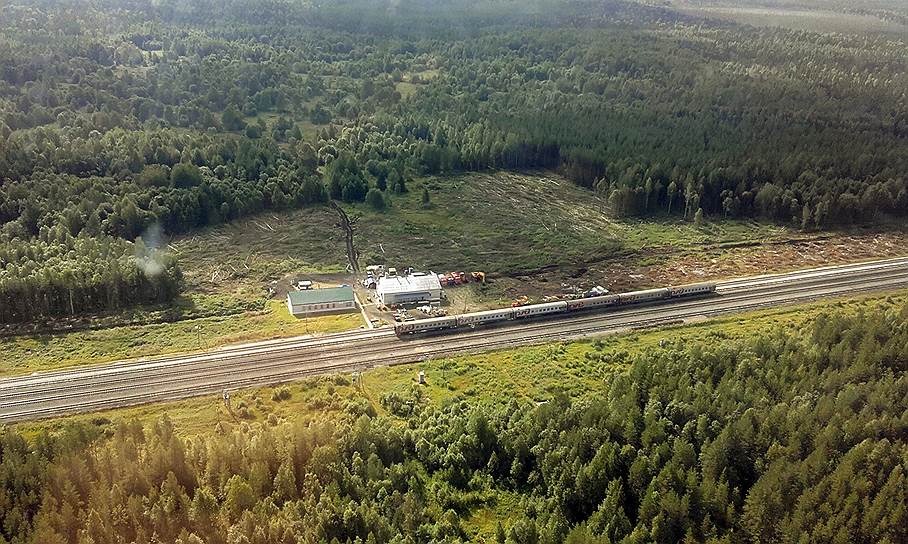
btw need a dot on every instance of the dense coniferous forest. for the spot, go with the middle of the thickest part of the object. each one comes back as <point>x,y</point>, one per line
<point>70,276</point>
<point>790,435</point>
<point>117,116</point>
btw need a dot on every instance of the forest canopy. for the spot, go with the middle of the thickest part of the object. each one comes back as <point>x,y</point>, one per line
<point>117,115</point>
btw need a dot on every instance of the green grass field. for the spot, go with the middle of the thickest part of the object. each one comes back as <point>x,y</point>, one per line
<point>511,223</point>
<point>244,256</point>
<point>25,354</point>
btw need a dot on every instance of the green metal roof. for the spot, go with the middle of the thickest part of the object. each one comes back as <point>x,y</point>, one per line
<point>321,296</point>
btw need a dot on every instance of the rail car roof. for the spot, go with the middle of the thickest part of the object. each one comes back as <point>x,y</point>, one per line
<point>428,321</point>
<point>484,313</point>
<point>646,292</point>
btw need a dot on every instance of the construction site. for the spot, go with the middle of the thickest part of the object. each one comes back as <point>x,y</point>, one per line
<point>389,294</point>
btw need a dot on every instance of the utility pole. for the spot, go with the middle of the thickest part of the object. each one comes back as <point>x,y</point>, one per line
<point>358,381</point>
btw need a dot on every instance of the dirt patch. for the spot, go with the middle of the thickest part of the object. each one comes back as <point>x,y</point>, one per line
<point>779,257</point>
<point>247,255</point>
<point>656,267</point>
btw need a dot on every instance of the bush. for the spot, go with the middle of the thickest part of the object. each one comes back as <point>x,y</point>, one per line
<point>153,175</point>
<point>403,405</point>
<point>376,199</point>
<point>185,175</point>
<point>281,394</point>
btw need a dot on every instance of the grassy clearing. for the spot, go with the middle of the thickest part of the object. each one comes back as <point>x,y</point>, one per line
<point>244,256</point>
<point>795,17</point>
<point>541,235</point>
<point>483,521</point>
<point>511,223</point>
<point>532,232</point>
<point>412,81</point>
<point>497,222</point>
<point>24,354</point>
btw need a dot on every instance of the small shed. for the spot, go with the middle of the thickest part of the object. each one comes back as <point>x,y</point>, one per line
<point>410,289</point>
<point>321,301</point>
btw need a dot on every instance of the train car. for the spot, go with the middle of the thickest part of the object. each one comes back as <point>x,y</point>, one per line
<point>592,302</point>
<point>692,290</point>
<point>425,325</point>
<point>648,295</point>
<point>488,316</point>
<point>540,309</point>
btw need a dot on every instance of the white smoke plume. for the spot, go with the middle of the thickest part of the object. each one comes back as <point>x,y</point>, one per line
<point>148,252</point>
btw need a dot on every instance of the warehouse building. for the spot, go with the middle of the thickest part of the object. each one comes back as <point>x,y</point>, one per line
<point>333,300</point>
<point>415,288</point>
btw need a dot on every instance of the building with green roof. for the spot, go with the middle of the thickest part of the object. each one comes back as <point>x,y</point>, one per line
<point>333,300</point>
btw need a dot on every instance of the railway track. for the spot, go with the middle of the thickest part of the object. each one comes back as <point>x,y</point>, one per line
<point>130,383</point>
<point>229,363</point>
<point>222,355</point>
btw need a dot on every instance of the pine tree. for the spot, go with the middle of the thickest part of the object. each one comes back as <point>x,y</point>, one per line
<point>284,484</point>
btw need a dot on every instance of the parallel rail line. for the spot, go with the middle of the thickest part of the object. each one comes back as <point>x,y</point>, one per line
<point>124,384</point>
<point>230,364</point>
<point>221,354</point>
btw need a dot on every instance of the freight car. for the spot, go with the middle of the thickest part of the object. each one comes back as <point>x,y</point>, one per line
<point>535,310</point>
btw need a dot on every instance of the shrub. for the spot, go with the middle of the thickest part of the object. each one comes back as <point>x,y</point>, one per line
<point>281,394</point>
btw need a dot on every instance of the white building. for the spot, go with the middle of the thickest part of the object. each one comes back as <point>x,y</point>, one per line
<point>393,290</point>
<point>321,301</point>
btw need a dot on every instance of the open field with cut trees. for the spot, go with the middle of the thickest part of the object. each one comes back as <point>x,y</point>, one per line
<point>528,231</point>
<point>531,233</point>
<point>119,120</point>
